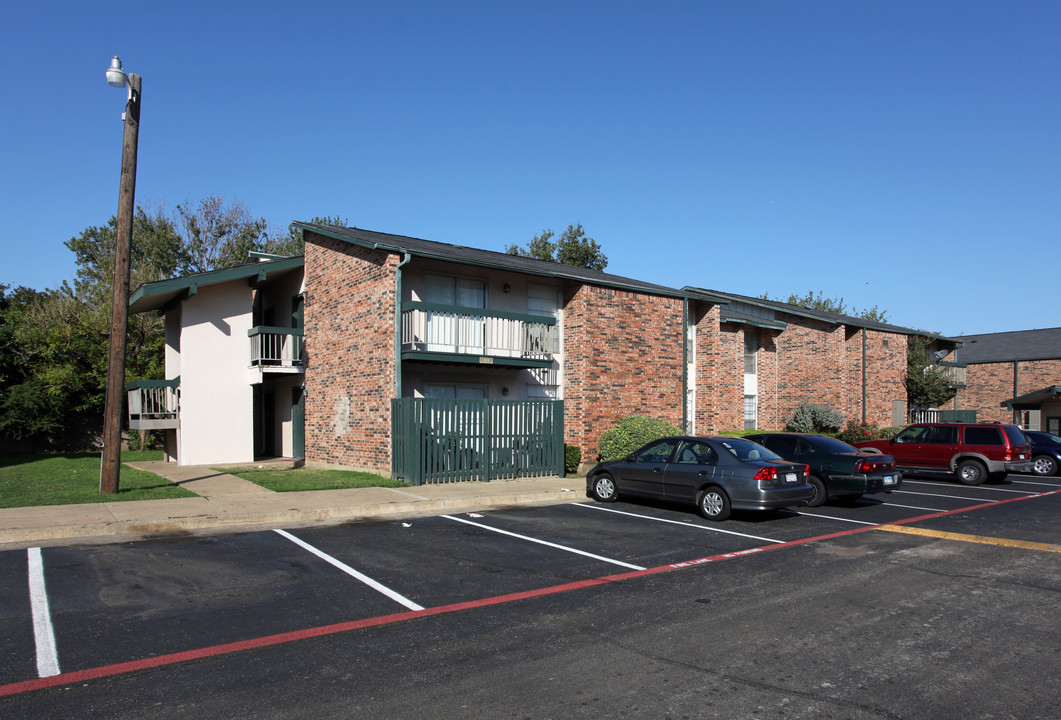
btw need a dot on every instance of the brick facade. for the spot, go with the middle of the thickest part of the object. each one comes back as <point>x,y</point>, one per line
<point>351,371</point>
<point>622,356</point>
<point>988,385</point>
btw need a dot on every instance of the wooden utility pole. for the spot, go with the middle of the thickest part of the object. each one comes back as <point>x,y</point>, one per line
<point>112,414</point>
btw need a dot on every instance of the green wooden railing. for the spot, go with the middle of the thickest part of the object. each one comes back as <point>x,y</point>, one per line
<point>441,441</point>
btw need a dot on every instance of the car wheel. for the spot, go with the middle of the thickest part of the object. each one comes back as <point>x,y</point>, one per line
<point>714,504</point>
<point>603,489</point>
<point>820,493</point>
<point>1044,465</point>
<point>971,472</point>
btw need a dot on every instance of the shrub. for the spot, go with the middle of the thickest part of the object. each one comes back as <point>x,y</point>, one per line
<point>890,431</point>
<point>572,458</point>
<point>631,433</point>
<point>857,432</point>
<point>810,417</point>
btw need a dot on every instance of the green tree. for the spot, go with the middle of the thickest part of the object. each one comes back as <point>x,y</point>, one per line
<point>294,243</point>
<point>817,301</point>
<point>571,248</point>
<point>217,235</point>
<point>927,384</point>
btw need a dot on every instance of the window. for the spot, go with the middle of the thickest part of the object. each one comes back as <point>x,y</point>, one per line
<point>659,452</point>
<point>750,412</point>
<point>696,453</point>
<point>751,347</point>
<point>983,436</point>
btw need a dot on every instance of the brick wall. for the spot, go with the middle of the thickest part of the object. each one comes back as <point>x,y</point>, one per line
<point>350,374</point>
<point>988,385</point>
<point>622,356</point>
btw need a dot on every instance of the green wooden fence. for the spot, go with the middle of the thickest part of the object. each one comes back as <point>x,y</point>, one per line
<point>439,441</point>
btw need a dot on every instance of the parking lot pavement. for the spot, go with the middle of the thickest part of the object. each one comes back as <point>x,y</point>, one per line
<point>112,608</point>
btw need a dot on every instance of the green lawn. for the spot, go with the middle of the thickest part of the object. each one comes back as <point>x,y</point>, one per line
<point>307,479</point>
<point>68,478</point>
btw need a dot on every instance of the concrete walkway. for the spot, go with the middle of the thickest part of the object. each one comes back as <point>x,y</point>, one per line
<point>227,503</point>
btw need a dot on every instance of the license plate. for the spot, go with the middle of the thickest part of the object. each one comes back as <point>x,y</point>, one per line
<point>889,480</point>
<point>791,477</point>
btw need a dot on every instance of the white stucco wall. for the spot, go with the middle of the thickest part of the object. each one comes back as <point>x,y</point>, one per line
<point>217,406</point>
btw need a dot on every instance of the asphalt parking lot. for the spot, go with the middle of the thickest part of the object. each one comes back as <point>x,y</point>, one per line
<point>81,624</point>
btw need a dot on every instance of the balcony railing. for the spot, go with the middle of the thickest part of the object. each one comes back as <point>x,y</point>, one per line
<point>276,348</point>
<point>955,372</point>
<point>431,327</point>
<point>154,404</point>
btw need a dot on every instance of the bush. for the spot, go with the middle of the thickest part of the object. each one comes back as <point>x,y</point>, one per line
<point>572,458</point>
<point>857,432</point>
<point>631,433</point>
<point>812,418</point>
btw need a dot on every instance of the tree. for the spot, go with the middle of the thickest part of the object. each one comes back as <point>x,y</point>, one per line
<point>294,243</point>
<point>571,248</point>
<point>218,236</point>
<point>818,301</point>
<point>927,384</point>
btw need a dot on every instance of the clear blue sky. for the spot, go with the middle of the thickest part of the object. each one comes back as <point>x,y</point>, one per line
<point>905,154</point>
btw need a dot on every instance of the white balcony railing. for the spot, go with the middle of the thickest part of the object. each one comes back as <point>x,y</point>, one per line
<point>276,348</point>
<point>474,331</point>
<point>153,404</point>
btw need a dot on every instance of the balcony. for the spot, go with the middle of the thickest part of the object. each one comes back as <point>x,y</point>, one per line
<point>276,350</point>
<point>475,335</point>
<point>154,404</point>
<point>954,372</point>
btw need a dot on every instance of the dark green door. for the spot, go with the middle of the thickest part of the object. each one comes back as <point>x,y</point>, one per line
<point>298,423</point>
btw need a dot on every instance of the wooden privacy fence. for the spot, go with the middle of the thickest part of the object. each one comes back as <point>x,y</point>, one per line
<point>438,441</point>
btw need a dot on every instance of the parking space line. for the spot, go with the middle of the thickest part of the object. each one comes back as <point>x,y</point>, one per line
<point>1021,480</point>
<point>676,522</point>
<point>981,487</point>
<point>400,599</point>
<point>982,539</point>
<point>620,563</point>
<point>952,497</point>
<point>833,517</point>
<point>43,633</point>
<point>908,507</point>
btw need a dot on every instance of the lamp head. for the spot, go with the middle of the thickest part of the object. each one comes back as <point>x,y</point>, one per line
<point>116,77</point>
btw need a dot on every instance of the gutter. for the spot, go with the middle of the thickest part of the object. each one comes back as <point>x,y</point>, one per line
<point>398,325</point>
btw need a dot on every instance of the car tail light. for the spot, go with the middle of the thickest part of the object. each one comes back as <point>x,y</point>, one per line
<point>767,476</point>
<point>866,466</point>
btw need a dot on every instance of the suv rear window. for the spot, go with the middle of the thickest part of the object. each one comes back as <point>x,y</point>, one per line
<point>983,436</point>
<point>1016,437</point>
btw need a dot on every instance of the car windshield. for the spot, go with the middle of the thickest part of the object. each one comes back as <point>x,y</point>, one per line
<point>1016,437</point>
<point>832,445</point>
<point>746,450</point>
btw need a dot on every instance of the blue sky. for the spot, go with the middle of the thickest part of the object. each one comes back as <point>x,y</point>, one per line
<point>903,154</point>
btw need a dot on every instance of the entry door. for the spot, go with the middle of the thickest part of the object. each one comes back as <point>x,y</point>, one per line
<point>298,423</point>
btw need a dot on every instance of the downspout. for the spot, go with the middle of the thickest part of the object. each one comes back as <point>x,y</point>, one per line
<point>398,325</point>
<point>863,376</point>
<point>685,365</point>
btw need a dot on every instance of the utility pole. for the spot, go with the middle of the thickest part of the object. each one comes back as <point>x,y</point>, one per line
<point>112,414</point>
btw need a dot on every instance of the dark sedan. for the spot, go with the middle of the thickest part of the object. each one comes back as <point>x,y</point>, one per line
<point>836,468</point>
<point>1046,452</point>
<point>718,474</point>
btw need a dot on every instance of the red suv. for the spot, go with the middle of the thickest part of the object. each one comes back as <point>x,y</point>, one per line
<point>973,452</point>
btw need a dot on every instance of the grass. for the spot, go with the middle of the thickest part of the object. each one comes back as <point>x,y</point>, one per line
<point>69,478</point>
<point>308,479</point>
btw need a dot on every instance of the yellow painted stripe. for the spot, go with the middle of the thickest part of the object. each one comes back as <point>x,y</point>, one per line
<point>1045,547</point>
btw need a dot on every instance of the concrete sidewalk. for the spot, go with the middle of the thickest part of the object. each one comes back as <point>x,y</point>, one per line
<point>227,503</point>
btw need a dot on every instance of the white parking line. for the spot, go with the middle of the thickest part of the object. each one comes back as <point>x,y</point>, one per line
<point>351,572</point>
<point>911,507</point>
<point>830,517</point>
<point>547,544</point>
<point>952,497</point>
<point>982,487</point>
<point>675,522</point>
<point>1022,481</point>
<point>43,633</point>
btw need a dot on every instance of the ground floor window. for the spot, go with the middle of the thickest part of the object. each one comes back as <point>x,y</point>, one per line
<point>750,414</point>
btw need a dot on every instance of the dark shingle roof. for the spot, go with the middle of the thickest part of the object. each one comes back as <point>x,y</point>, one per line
<point>485,258</point>
<point>1009,346</point>
<point>828,317</point>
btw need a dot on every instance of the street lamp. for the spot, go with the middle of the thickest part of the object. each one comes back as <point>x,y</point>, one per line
<point>112,414</point>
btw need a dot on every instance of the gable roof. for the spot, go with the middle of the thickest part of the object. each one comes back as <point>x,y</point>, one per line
<point>800,311</point>
<point>159,294</point>
<point>485,258</point>
<point>1010,346</point>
